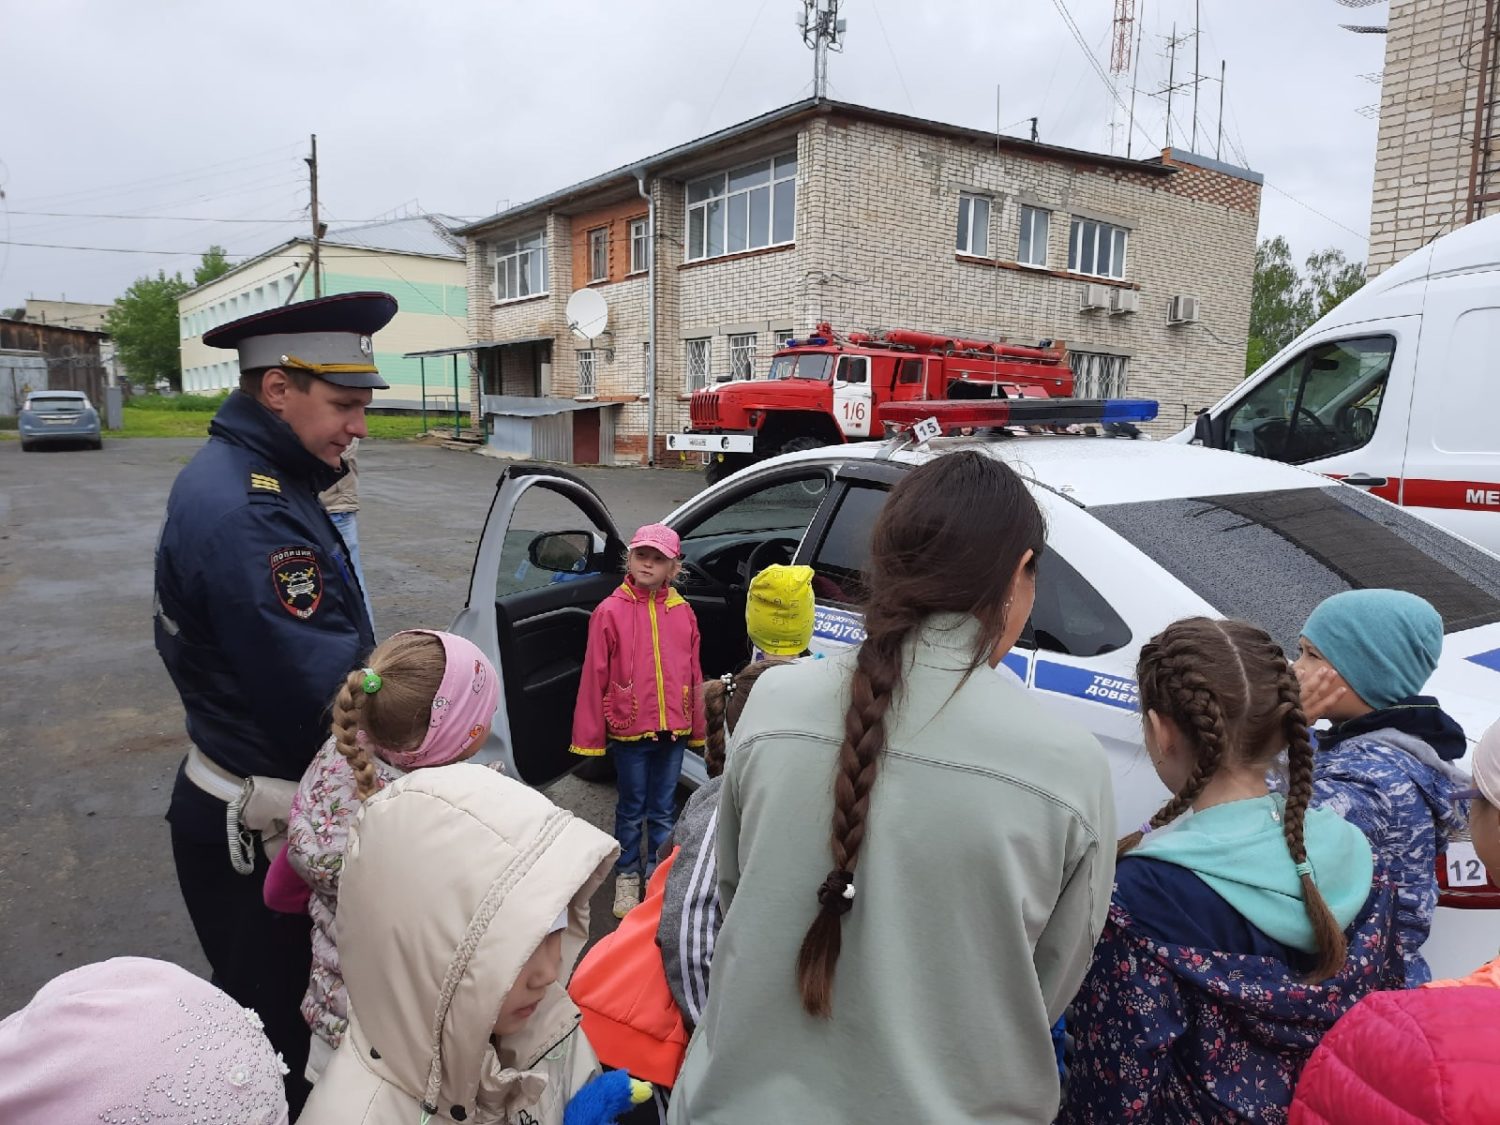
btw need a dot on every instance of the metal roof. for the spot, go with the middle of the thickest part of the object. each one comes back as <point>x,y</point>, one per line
<point>428,235</point>
<point>459,349</point>
<point>777,118</point>
<point>521,406</point>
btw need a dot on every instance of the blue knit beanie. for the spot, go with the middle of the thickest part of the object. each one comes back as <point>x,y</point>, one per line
<point>1385,643</point>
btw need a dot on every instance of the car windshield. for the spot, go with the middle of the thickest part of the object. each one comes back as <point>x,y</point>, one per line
<point>55,404</point>
<point>1271,557</point>
<point>808,365</point>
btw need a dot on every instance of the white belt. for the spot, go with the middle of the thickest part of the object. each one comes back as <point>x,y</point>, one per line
<point>211,777</point>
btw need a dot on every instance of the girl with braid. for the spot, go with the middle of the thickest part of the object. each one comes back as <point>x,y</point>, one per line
<point>424,699</point>
<point>914,857</point>
<point>1242,924</point>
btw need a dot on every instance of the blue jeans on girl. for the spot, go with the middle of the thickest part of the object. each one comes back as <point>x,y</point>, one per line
<point>647,771</point>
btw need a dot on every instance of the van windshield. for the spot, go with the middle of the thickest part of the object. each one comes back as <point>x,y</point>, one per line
<point>1316,542</point>
<point>808,365</point>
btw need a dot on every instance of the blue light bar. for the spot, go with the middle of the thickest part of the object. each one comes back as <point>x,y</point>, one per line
<point>953,414</point>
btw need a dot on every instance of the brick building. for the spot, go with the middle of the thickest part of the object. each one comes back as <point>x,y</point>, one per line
<point>866,219</point>
<point>1437,159</point>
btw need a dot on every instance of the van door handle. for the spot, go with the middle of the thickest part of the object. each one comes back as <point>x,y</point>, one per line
<point>1362,480</point>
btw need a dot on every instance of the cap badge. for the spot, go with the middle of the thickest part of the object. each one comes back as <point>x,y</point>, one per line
<point>364,345</point>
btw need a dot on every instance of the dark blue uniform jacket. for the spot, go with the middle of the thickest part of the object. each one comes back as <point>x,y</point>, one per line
<point>258,616</point>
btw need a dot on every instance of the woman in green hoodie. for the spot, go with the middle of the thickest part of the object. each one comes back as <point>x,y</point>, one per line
<point>1242,925</point>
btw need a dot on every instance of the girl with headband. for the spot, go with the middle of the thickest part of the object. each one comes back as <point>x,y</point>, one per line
<point>425,699</point>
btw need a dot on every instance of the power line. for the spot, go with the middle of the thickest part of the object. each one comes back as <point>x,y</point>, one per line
<point>170,218</point>
<point>190,175</point>
<point>713,105</point>
<point>911,105</point>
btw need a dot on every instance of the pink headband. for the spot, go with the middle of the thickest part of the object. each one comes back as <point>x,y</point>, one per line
<point>135,1039</point>
<point>462,710</point>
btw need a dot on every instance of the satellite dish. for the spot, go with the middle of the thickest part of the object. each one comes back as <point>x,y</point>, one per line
<point>587,314</point>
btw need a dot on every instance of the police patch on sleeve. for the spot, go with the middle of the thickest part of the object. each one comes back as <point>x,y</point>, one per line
<point>298,580</point>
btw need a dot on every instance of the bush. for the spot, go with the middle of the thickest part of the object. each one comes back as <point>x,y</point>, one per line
<point>9,422</point>
<point>191,404</point>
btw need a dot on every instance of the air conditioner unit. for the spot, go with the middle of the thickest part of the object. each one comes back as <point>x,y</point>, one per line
<point>1094,297</point>
<point>1124,301</point>
<point>1182,310</point>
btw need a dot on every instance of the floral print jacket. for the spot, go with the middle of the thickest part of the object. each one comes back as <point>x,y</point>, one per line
<point>322,811</point>
<point>1173,1035</point>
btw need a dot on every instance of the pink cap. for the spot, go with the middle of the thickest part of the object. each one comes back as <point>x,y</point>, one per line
<point>660,536</point>
<point>134,1039</point>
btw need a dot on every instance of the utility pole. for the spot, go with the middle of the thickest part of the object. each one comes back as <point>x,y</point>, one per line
<point>317,227</point>
<point>823,31</point>
<point>1219,144</point>
<point>1135,81</point>
<point>1196,76</point>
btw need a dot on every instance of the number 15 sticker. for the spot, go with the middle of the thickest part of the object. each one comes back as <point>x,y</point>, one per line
<point>1462,866</point>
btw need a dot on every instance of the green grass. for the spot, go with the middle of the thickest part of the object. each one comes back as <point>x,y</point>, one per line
<point>165,422</point>
<point>178,404</point>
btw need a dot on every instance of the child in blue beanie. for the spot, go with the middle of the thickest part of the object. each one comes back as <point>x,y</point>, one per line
<point>1384,763</point>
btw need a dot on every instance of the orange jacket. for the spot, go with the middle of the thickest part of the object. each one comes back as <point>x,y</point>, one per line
<point>629,1016</point>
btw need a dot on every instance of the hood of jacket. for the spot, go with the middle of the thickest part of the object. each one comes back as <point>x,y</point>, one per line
<point>245,422</point>
<point>451,880</point>
<point>1439,780</point>
<point>1419,718</point>
<point>1239,850</point>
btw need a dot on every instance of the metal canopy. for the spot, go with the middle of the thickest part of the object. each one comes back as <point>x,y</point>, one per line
<point>461,349</point>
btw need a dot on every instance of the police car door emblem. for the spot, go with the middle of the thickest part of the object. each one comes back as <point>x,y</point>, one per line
<point>298,580</point>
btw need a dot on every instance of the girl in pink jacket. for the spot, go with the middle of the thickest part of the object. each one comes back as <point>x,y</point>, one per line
<point>639,699</point>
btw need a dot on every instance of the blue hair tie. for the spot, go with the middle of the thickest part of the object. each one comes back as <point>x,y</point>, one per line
<point>1305,869</point>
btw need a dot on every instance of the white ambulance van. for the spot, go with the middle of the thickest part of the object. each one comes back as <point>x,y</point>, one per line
<point>1397,390</point>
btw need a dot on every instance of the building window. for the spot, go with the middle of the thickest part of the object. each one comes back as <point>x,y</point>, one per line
<point>1096,375</point>
<point>699,355</point>
<point>521,267</point>
<point>973,225</point>
<point>1096,248</point>
<point>742,356</point>
<point>640,246</point>
<point>587,383</point>
<point>744,209</point>
<point>599,254</point>
<point>1032,248</point>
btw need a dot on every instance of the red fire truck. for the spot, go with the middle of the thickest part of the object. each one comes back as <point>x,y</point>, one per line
<point>826,389</point>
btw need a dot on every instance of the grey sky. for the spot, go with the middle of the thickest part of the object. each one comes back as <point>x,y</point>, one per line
<point>184,108</point>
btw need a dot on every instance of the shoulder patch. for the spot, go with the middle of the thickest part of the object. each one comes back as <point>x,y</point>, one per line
<point>264,482</point>
<point>298,580</point>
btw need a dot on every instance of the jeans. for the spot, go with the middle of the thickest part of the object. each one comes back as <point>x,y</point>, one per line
<point>348,527</point>
<point>647,771</point>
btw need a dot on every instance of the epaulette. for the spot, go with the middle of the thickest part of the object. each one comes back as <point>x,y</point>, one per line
<point>264,482</point>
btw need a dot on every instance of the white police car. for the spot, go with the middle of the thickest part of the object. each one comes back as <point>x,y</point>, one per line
<point>1140,534</point>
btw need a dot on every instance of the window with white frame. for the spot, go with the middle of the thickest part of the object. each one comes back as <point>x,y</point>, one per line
<point>1096,248</point>
<point>587,382</point>
<point>640,246</point>
<point>1098,375</point>
<point>699,355</point>
<point>1031,249</point>
<point>742,356</point>
<point>743,209</point>
<point>599,254</point>
<point>521,267</point>
<point>973,225</point>
<point>782,336</point>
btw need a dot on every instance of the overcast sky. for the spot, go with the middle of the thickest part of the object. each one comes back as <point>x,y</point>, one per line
<point>182,108</point>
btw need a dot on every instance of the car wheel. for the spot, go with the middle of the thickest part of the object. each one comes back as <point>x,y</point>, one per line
<point>599,769</point>
<point>716,470</point>
<point>27,447</point>
<point>98,444</point>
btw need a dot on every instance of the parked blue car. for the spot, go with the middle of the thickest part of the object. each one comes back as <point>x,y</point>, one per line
<point>56,417</point>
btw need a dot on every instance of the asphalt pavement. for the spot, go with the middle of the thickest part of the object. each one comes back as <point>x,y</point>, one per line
<point>91,729</point>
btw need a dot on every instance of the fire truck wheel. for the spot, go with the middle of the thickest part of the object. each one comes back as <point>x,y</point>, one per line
<point>715,471</point>
<point>798,444</point>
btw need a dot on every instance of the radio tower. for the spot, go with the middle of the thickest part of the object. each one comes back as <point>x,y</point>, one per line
<point>1119,66</point>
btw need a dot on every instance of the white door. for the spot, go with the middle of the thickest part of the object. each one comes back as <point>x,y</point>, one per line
<point>852,406</point>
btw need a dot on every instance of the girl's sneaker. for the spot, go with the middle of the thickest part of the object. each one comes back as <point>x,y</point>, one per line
<point>627,893</point>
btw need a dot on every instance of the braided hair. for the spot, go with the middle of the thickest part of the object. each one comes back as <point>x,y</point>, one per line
<point>950,538</point>
<point>396,717</point>
<point>724,700</point>
<point>1227,685</point>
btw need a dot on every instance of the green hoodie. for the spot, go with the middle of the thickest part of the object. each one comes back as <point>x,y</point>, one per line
<point>1239,850</point>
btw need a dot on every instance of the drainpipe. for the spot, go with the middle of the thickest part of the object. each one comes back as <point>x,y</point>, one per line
<point>640,180</point>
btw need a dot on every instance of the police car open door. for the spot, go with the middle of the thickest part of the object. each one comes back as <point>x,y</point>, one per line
<point>548,555</point>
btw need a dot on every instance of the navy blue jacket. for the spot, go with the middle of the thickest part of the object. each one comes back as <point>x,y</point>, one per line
<point>258,614</point>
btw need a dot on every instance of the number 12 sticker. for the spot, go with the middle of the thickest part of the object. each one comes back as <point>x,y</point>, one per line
<point>1461,863</point>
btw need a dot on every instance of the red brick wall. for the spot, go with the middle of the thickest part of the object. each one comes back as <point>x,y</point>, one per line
<point>616,220</point>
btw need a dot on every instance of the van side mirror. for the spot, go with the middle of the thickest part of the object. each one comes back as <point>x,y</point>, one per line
<point>1208,431</point>
<point>564,552</point>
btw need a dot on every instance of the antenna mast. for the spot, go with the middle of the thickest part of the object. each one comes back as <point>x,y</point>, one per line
<point>823,31</point>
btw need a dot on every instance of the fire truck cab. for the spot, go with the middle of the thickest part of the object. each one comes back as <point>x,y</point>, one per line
<point>828,388</point>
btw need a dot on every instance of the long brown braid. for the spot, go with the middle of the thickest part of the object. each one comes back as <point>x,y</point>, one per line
<point>724,700</point>
<point>950,538</point>
<point>396,717</point>
<point>1227,685</point>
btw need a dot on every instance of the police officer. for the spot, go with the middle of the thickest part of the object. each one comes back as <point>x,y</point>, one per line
<point>259,617</point>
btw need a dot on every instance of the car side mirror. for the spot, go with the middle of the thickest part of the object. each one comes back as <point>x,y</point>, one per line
<point>564,552</point>
<point>1208,431</point>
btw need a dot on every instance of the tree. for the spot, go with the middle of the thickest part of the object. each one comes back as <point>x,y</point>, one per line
<point>214,264</point>
<point>1283,302</point>
<point>144,321</point>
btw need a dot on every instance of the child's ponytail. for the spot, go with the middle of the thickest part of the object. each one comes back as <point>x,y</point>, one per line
<point>355,750</point>
<point>723,701</point>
